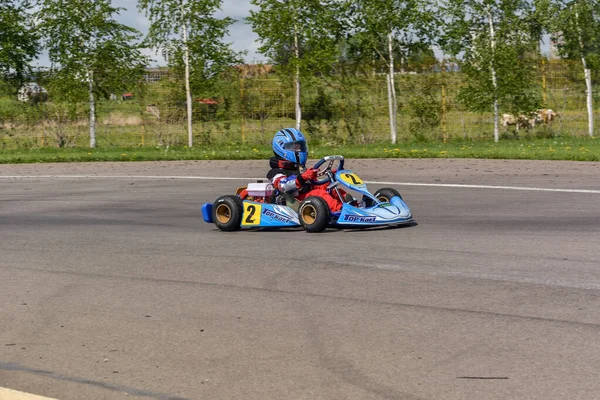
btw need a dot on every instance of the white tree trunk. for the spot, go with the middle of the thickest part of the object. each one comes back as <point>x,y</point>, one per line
<point>188,91</point>
<point>297,80</point>
<point>391,108</point>
<point>494,77</point>
<point>588,77</point>
<point>590,99</point>
<point>392,92</point>
<point>92,109</point>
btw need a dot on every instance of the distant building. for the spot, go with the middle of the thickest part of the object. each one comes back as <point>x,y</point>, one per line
<point>155,74</point>
<point>32,91</point>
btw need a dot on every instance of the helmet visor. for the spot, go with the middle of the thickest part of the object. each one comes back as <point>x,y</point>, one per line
<point>297,145</point>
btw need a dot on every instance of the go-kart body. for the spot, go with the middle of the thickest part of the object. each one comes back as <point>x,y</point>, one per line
<point>371,211</point>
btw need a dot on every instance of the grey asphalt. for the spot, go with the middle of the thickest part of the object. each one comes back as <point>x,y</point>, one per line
<point>115,288</point>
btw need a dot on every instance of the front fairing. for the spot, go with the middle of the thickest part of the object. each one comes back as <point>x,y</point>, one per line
<point>394,212</point>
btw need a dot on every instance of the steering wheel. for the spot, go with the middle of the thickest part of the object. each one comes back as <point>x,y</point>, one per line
<point>327,170</point>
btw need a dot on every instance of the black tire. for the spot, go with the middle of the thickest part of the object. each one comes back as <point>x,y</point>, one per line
<point>385,194</point>
<point>313,214</point>
<point>227,213</point>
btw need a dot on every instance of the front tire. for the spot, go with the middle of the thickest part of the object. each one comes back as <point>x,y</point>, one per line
<point>227,213</point>
<point>314,214</point>
<point>385,194</point>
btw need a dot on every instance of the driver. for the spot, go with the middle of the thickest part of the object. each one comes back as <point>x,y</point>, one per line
<point>289,174</point>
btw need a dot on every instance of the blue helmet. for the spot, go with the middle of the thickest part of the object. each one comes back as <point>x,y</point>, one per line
<point>289,144</point>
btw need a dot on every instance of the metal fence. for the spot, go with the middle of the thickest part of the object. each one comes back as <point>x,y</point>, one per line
<point>249,107</point>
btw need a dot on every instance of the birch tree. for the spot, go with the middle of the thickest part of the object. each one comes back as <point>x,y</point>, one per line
<point>575,26</point>
<point>87,46</point>
<point>19,42</point>
<point>299,36</point>
<point>402,23</point>
<point>194,37</point>
<point>496,43</point>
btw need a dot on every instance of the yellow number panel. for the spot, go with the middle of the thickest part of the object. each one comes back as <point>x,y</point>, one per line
<point>351,179</point>
<point>252,213</point>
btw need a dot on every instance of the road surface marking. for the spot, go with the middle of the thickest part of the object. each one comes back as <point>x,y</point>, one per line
<point>9,394</point>
<point>219,178</point>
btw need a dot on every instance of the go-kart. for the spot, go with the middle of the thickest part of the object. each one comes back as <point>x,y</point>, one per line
<point>265,207</point>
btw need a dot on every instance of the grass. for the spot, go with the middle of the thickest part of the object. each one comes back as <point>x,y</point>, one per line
<point>562,148</point>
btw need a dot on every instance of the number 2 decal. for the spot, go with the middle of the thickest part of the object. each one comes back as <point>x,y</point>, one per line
<point>252,213</point>
<point>352,179</point>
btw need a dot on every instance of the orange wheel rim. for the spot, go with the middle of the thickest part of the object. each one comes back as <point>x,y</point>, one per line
<point>223,213</point>
<point>309,214</point>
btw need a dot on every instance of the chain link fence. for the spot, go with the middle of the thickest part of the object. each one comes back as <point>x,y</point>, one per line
<point>250,105</point>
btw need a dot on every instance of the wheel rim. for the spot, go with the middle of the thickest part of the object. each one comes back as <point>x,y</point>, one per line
<point>223,213</point>
<point>309,214</point>
<point>383,199</point>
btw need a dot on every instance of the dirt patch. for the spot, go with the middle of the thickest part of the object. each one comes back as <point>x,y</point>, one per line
<point>120,119</point>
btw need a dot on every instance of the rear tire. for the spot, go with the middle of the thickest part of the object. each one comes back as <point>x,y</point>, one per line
<point>385,194</point>
<point>227,213</point>
<point>314,214</point>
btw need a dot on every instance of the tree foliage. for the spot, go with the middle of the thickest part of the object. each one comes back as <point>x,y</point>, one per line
<point>312,24</point>
<point>370,21</point>
<point>19,40</point>
<point>575,28</point>
<point>511,54</point>
<point>209,54</point>
<point>85,42</point>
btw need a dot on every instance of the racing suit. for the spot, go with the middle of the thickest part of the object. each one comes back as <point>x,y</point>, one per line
<point>300,187</point>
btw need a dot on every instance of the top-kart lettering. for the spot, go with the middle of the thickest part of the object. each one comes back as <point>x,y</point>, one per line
<point>355,218</point>
<point>276,216</point>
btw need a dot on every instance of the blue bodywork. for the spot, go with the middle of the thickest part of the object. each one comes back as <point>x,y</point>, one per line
<point>265,215</point>
<point>207,212</point>
<point>394,212</point>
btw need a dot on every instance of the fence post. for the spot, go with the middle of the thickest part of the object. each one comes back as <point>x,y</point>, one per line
<point>544,95</point>
<point>242,108</point>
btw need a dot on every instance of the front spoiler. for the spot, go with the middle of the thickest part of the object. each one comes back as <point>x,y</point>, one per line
<point>392,213</point>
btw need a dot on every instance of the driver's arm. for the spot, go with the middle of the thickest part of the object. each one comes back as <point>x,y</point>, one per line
<point>293,183</point>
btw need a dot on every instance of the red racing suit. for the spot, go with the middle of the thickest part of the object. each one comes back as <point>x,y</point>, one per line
<point>300,188</point>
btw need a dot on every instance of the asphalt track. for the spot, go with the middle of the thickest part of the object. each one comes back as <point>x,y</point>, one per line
<point>112,287</point>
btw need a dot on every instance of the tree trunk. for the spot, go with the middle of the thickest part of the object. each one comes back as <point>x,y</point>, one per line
<point>494,78</point>
<point>588,76</point>
<point>297,80</point>
<point>188,91</point>
<point>92,109</point>
<point>590,99</point>
<point>392,92</point>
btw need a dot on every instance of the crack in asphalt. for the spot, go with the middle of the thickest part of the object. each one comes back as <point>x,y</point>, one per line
<point>324,296</point>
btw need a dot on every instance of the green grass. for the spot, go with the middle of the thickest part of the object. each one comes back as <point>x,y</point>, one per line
<point>567,148</point>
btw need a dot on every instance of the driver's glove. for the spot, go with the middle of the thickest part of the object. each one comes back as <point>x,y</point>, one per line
<point>307,176</point>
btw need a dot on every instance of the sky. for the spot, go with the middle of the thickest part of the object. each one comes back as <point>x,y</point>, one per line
<point>240,33</point>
